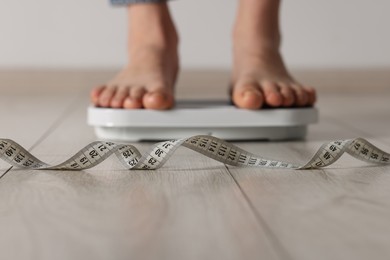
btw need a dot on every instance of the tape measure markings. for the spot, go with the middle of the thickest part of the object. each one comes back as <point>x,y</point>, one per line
<point>210,146</point>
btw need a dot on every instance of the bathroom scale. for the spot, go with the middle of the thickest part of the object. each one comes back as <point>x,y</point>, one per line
<point>201,117</point>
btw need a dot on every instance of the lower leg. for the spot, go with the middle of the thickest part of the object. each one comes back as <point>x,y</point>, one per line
<point>260,76</point>
<point>148,79</point>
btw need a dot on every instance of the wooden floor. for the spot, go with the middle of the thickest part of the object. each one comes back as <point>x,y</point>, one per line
<point>193,208</point>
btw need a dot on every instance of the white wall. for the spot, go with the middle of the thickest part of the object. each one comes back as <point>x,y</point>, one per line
<point>90,33</point>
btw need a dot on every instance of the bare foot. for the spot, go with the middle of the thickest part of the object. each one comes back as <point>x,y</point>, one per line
<point>149,78</point>
<point>260,77</point>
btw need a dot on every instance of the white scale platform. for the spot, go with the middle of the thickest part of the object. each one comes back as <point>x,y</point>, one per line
<point>188,118</point>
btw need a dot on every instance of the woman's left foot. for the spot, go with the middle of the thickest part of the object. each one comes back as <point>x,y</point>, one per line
<point>260,77</point>
<point>262,80</point>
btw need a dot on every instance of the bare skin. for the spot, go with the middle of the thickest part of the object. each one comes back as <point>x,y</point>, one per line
<point>259,76</point>
<point>149,78</point>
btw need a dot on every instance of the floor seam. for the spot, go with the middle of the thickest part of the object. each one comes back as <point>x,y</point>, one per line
<point>66,112</point>
<point>6,171</point>
<point>280,250</point>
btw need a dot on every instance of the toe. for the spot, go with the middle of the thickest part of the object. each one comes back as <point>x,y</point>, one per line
<point>120,95</point>
<point>311,93</point>
<point>248,96</point>
<point>157,101</point>
<point>272,94</point>
<point>131,103</point>
<point>287,94</point>
<point>95,94</point>
<point>137,93</point>
<point>301,97</point>
<point>134,100</point>
<point>106,95</point>
<point>158,98</point>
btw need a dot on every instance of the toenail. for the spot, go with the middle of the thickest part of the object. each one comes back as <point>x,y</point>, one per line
<point>158,96</point>
<point>249,93</point>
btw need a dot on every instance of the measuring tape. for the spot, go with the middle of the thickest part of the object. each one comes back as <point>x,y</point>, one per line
<point>210,146</point>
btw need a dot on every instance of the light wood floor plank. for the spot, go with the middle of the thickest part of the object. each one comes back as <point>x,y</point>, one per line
<point>26,119</point>
<point>368,114</point>
<point>191,209</point>
<point>340,212</point>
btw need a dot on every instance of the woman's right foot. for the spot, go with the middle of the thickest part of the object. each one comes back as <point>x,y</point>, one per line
<point>148,81</point>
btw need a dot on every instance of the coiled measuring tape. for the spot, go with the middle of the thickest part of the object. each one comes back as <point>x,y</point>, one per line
<point>210,146</point>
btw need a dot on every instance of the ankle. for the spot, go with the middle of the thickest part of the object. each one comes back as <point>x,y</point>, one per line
<point>257,25</point>
<point>258,47</point>
<point>151,25</point>
<point>264,55</point>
